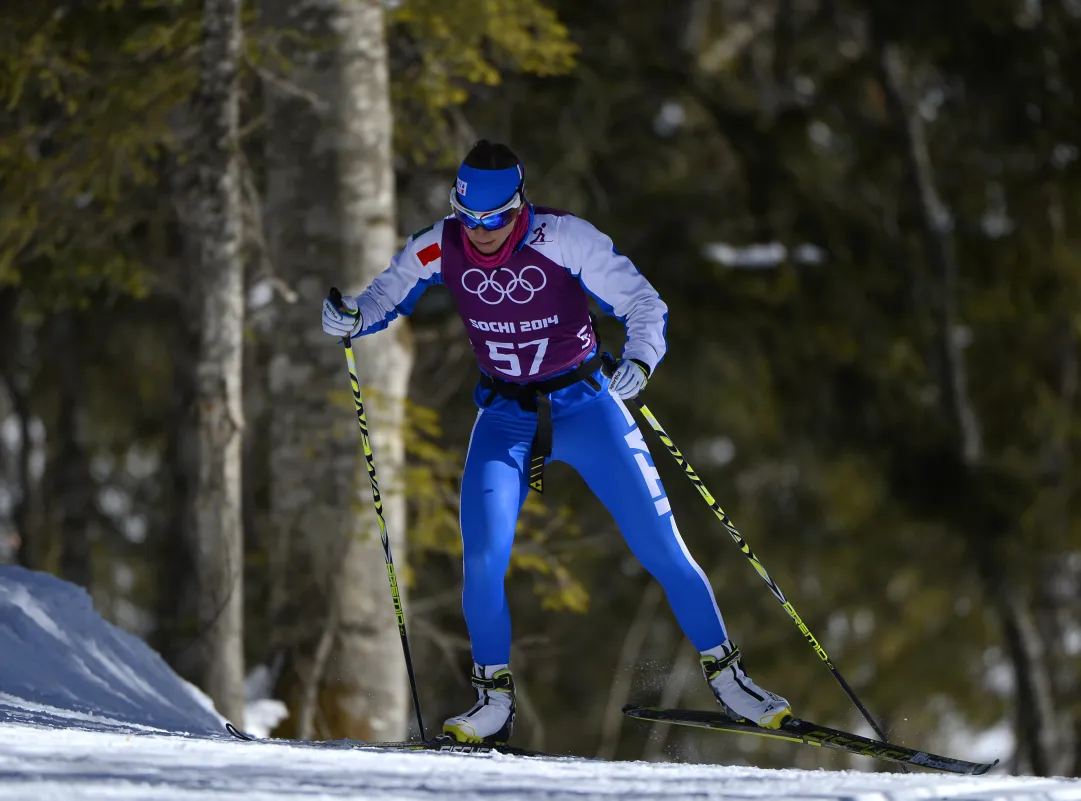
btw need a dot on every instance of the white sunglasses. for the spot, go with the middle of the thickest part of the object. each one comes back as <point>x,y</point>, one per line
<point>489,220</point>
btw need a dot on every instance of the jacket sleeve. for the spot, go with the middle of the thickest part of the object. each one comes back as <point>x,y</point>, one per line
<point>617,286</point>
<point>398,288</point>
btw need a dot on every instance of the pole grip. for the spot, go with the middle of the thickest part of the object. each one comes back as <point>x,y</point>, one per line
<point>335,297</point>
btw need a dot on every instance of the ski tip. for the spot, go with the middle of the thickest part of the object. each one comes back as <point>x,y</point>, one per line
<point>982,769</point>
<point>240,735</point>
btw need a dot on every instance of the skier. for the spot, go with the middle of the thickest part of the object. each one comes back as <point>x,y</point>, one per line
<point>521,277</point>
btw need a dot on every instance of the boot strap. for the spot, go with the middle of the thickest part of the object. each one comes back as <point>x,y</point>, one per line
<point>502,681</point>
<point>712,665</point>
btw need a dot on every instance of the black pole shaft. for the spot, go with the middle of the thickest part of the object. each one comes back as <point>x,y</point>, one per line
<point>336,298</point>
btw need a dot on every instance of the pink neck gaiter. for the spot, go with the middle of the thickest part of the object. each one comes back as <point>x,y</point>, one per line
<point>499,258</point>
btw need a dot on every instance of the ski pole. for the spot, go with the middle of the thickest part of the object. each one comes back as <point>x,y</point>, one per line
<point>681,460</point>
<point>336,298</point>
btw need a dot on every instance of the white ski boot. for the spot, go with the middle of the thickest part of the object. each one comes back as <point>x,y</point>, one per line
<point>741,698</point>
<point>491,719</point>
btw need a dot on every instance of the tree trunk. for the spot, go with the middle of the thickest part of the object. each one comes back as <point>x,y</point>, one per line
<point>216,206</point>
<point>1036,718</point>
<point>176,578</point>
<point>330,211</point>
<point>633,641</point>
<point>17,386</point>
<point>71,476</point>
<point>936,225</point>
<point>1054,600</point>
<point>29,551</point>
<point>1048,752</point>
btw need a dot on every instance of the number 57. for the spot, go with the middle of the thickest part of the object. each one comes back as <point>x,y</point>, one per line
<point>497,352</point>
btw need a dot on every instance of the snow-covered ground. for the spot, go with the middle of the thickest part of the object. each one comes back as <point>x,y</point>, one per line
<point>89,712</point>
<point>48,763</point>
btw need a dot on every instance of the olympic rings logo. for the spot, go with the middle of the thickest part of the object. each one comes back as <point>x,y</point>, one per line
<point>493,287</point>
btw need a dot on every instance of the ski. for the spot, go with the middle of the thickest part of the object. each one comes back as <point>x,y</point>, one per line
<point>802,731</point>
<point>451,746</point>
<point>240,735</point>
<point>441,744</point>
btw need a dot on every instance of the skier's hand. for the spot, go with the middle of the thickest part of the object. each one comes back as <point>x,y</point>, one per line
<point>628,379</point>
<point>342,322</point>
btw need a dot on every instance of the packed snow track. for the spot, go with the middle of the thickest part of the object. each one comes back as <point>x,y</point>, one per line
<point>89,712</point>
<point>40,762</point>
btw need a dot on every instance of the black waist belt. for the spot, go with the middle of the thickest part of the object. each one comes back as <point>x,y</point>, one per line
<point>534,398</point>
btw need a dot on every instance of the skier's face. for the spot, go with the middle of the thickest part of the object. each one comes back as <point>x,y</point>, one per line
<point>488,242</point>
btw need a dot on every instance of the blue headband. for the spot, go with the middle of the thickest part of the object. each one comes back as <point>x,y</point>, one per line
<point>484,190</point>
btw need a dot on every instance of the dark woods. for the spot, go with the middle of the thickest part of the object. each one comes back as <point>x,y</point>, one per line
<point>864,219</point>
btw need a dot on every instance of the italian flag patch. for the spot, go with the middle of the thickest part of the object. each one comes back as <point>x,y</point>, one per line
<point>429,254</point>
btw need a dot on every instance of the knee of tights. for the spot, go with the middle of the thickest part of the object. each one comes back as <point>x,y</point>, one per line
<point>673,572</point>
<point>483,568</point>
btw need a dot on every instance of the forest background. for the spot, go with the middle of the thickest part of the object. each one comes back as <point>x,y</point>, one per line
<point>864,216</point>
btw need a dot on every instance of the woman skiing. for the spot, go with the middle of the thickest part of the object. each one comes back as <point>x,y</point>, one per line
<point>521,277</point>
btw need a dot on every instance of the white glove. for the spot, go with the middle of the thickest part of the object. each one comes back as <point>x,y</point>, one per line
<point>338,323</point>
<point>628,380</point>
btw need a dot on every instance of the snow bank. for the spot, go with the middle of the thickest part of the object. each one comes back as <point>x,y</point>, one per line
<point>62,664</point>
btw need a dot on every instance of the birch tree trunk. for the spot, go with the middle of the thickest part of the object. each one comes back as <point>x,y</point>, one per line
<point>215,206</point>
<point>330,220</point>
